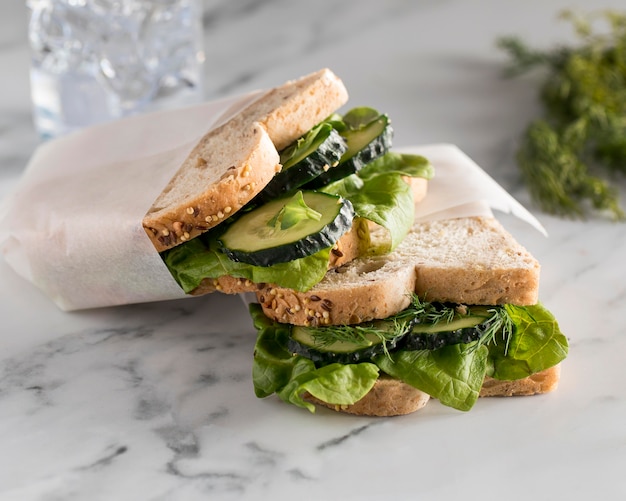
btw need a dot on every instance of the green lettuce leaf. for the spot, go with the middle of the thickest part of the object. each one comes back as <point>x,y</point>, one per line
<point>379,194</point>
<point>276,370</point>
<point>196,260</point>
<point>335,384</point>
<point>403,164</point>
<point>388,201</point>
<point>273,364</point>
<point>535,344</point>
<point>453,374</point>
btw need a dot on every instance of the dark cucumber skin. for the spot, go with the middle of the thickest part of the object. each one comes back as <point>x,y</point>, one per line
<point>377,147</point>
<point>436,340</point>
<point>302,342</point>
<point>325,237</point>
<point>326,156</point>
<point>411,341</point>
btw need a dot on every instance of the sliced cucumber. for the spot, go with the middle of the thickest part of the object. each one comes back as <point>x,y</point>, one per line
<point>311,155</point>
<point>462,329</point>
<point>287,228</point>
<point>345,344</point>
<point>366,142</point>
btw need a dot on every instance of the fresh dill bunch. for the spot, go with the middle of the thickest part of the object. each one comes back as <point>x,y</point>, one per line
<point>583,131</point>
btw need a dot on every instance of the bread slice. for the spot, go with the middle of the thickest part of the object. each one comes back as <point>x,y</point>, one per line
<point>225,170</point>
<point>290,110</point>
<point>465,260</point>
<point>392,397</point>
<point>233,163</point>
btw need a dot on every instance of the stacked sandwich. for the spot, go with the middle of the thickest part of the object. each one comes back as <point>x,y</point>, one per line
<point>359,308</point>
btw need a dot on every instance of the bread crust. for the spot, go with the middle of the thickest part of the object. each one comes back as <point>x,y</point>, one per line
<point>392,397</point>
<point>541,382</point>
<point>464,260</point>
<point>389,397</point>
<point>227,182</point>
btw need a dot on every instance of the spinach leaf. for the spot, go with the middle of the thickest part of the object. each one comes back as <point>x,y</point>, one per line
<point>384,199</point>
<point>335,384</point>
<point>535,344</point>
<point>403,164</point>
<point>453,374</point>
<point>276,370</point>
<point>273,364</point>
<point>196,260</point>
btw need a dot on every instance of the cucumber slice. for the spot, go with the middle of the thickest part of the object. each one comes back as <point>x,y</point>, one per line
<point>352,344</point>
<point>462,329</point>
<point>311,155</point>
<point>365,144</point>
<point>288,228</point>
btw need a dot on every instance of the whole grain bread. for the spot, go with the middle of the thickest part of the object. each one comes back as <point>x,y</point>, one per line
<point>233,162</point>
<point>225,170</point>
<point>465,260</point>
<point>392,397</point>
<point>291,109</point>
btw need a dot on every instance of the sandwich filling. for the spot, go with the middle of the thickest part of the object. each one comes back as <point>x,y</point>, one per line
<point>336,175</point>
<point>444,350</point>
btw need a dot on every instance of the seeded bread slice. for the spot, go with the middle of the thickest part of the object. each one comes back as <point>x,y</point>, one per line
<point>290,110</point>
<point>464,260</point>
<point>232,163</point>
<point>227,168</point>
<point>392,397</point>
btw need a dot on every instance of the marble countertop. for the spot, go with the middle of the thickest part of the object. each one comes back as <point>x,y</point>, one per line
<point>155,401</point>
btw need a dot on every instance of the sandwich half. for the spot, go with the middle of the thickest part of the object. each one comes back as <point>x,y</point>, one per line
<point>283,191</point>
<point>452,313</point>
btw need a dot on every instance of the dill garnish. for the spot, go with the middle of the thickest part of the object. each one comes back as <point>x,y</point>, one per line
<point>583,132</point>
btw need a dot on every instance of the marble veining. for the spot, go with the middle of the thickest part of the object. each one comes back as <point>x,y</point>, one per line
<point>155,401</point>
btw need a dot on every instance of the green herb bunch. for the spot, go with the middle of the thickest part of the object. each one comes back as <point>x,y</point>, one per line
<point>568,156</point>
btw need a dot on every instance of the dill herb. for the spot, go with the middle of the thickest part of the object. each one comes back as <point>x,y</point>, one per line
<point>499,323</point>
<point>568,157</point>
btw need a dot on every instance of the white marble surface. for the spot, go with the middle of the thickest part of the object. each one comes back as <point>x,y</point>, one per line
<point>155,401</point>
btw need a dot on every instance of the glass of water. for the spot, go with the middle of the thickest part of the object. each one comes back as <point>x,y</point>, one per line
<point>98,60</point>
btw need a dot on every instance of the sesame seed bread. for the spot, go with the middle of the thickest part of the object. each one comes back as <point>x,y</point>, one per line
<point>234,162</point>
<point>392,397</point>
<point>225,170</point>
<point>290,110</point>
<point>464,260</point>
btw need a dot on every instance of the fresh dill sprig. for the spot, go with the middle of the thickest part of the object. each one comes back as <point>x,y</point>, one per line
<point>361,334</point>
<point>498,325</point>
<point>431,313</point>
<point>584,127</point>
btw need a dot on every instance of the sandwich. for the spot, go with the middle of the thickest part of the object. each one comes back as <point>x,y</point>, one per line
<point>359,308</point>
<point>452,313</point>
<point>283,191</point>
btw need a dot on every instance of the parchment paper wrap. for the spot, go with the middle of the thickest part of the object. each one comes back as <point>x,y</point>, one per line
<point>73,226</point>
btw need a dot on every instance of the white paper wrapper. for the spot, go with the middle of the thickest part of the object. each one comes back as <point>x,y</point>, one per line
<point>73,225</point>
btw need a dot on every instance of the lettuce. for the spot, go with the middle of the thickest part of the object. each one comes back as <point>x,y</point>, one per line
<point>197,259</point>
<point>378,192</point>
<point>276,370</point>
<point>453,374</point>
<point>535,344</point>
